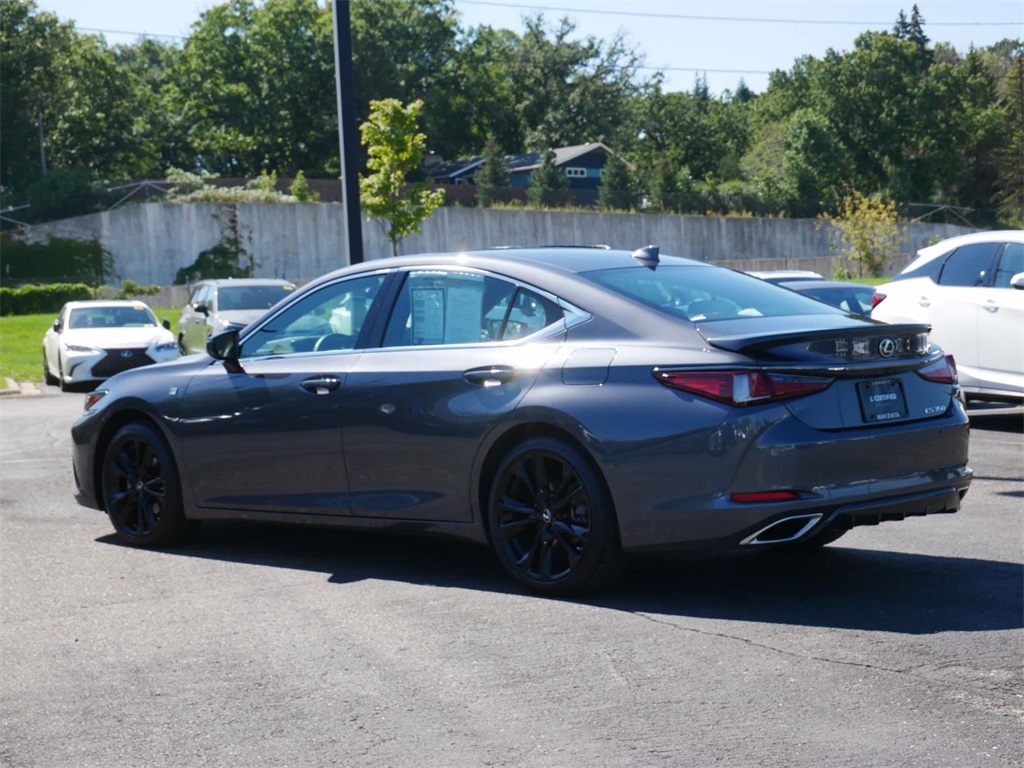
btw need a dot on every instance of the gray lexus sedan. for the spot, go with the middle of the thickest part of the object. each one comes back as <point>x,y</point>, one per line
<point>567,406</point>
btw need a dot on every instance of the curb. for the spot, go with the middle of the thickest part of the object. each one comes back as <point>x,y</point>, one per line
<point>13,388</point>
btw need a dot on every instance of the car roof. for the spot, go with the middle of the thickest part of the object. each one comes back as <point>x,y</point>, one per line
<point>926,254</point>
<point>776,275</point>
<point>243,281</point>
<point>102,303</point>
<point>808,284</point>
<point>518,263</point>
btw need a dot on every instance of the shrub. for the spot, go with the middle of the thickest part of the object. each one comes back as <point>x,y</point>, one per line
<point>41,299</point>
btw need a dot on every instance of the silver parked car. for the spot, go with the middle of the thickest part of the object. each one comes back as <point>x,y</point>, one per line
<point>219,305</point>
<point>568,406</point>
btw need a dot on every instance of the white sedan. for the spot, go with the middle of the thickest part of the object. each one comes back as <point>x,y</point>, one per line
<point>970,289</point>
<point>92,340</point>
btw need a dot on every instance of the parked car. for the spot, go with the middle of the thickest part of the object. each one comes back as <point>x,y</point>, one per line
<point>850,297</point>
<point>570,406</point>
<point>786,275</point>
<point>219,305</point>
<point>970,289</point>
<point>92,340</point>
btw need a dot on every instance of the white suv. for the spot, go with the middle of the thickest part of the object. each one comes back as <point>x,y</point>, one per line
<point>971,290</point>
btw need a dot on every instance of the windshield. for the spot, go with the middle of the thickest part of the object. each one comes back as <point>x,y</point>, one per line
<point>111,317</point>
<point>251,296</point>
<point>705,293</point>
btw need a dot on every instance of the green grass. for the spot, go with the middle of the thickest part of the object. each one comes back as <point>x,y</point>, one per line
<point>21,343</point>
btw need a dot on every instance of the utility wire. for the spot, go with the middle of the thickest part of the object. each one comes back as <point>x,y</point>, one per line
<point>691,17</point>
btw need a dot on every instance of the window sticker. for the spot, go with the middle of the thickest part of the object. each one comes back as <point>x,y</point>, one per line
<point>428,311</point>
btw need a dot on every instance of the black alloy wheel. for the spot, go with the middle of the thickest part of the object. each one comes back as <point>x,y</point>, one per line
<point>552,521</point>
<point>141,492</point>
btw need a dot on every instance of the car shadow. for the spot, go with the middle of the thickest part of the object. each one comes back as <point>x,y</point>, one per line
<point>996,418</point>
<point>834,587</point>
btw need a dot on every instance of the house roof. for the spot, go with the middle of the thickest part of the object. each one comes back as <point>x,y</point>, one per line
<point>527,161</point>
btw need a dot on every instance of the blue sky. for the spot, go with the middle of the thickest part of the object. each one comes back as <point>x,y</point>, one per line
<point>726,40</point>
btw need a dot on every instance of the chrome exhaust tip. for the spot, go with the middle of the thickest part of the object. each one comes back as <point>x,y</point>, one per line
<point>784,530</point>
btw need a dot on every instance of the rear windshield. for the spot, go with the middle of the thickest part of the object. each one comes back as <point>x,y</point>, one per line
<point>251,296</point>
<point>706,293</point>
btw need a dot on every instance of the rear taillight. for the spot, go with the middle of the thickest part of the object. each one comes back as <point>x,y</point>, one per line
<point>876,299</point>
<point>942,371</point>
<point>742,387</point>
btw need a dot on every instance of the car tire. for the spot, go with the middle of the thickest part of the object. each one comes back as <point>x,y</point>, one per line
<point>551,520</point>
<point>64,386</point>
<point>48,377</point>
<point>141,489</point>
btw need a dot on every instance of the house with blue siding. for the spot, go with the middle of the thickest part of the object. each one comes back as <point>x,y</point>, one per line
<point>583,165</point>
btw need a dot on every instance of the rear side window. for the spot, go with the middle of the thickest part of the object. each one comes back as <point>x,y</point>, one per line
<point>706,293</point>
<point>967,265</point>
<point>435,308</point>
<point>1010,264</point>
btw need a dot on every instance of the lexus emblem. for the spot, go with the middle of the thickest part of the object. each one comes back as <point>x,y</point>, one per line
<point>129,353</point>
<point>887,347</point>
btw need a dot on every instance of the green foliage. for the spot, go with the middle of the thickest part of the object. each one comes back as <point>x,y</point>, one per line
<point>395,148</point>
<point>58,259</point>
<point>130,289</point>
<point>615,191</point>
<point>866,232</point>
<point>194,188</point>
<point>492,182</point>
<point>32,299</point>
<point>549,186</point>
<point>300,190</point>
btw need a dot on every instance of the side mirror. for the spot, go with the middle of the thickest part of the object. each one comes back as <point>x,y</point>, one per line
<point>56,322</point>
<point>202,309</point>
<point>1017,281</point>
<point>166,324</point>
<point>224,346</point>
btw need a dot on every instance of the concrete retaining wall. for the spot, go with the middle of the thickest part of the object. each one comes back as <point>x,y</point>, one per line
<point>151,242</point>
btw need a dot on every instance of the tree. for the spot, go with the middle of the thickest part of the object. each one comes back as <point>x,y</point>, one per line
<point>395,148</point>
<point>614,193</point>
<point>492,180</point>
<point>255,85</point>
<point>548,183</point>
<point>867,232</point>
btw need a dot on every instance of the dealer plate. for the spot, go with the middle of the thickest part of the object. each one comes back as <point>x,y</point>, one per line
<point>882,400</point>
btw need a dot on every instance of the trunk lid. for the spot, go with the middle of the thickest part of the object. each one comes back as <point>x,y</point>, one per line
<point>873,366</point>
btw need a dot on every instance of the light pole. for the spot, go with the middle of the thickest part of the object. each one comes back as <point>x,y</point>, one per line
<point>347,129</point>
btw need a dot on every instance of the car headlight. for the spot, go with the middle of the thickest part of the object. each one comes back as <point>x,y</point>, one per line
<point>167,346</point>
<point>81,348</point>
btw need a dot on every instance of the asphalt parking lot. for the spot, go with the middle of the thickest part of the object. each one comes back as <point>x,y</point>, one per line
<point>900,645</point>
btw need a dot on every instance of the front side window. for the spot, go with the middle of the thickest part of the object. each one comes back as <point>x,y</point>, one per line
<point>436,308</point>
<point>1010,263</point>
<point>967,264</point>
<point>330,318</point>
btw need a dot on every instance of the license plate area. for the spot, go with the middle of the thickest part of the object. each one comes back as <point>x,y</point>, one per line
<point>882,400</point>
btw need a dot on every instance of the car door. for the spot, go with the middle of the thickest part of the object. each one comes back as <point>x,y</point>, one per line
<point>266,435</point>
<point>451,364</point>
<point>1001,324</point>
<point>193,322</point>
<point>954,303</point>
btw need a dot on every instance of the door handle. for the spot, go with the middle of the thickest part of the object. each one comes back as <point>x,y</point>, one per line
<point>991,306</point>
<point>490,376</point>
<point>924,301</point>
<point>321,385</point>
